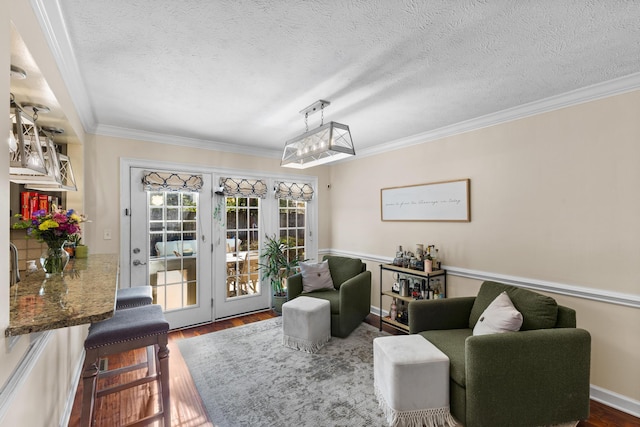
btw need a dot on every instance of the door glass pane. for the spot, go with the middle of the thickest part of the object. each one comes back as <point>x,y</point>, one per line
<point>292,227</point>
<point>173,249</point>
<point>242,247</point>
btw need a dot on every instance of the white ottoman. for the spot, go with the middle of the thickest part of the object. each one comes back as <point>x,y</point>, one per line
<point>306,323</point>
<point>411,379</point>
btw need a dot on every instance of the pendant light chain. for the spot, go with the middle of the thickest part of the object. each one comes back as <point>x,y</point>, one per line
<point>306,122</point>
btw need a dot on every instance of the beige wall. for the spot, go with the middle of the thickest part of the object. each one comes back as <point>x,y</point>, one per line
<point>554,197</point>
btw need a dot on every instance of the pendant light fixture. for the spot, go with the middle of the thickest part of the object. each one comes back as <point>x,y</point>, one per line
<point>60,175</point>
<point>327,143</point>
<point>27,158</point>
<point>65,181</point>
<point>34,159</point>
<point>51,162</point>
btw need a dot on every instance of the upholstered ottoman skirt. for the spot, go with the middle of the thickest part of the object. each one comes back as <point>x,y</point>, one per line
<point>411,379</point>
<point>306,323</point>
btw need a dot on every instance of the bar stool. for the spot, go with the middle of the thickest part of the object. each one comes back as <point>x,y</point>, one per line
<point>128,329</point>
<point>133,297</point>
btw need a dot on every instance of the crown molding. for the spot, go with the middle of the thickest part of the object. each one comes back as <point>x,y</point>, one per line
<point>579,96</point>
<point>54,30</point>
<point>118,132</point>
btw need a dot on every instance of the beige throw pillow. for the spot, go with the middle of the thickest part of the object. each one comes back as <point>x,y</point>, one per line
<point>500,316</point>
<point>315,277</point>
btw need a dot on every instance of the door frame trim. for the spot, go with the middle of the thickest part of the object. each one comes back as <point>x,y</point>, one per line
<point>125,204</point>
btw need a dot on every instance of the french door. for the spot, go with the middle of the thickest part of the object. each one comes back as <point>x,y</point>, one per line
<point>170,247</point>
<point>200,251</point>
<point>243,290</point>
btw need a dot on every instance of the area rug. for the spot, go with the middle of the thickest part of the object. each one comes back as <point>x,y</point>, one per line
<point>247,378</point>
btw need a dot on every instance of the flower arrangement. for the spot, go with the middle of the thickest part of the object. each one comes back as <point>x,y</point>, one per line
<point>53,228</point>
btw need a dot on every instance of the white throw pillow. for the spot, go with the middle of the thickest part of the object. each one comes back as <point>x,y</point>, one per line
<point>500,316</point>
<point>315,276</point>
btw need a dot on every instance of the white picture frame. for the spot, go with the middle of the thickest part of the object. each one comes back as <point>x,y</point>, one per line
<point>436,201</point>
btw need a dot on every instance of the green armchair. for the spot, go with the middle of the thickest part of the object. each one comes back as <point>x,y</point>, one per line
<point>534,377</point>
<point>350,301</point>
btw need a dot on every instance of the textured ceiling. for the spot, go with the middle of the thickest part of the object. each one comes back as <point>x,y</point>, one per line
<point>239,71</point>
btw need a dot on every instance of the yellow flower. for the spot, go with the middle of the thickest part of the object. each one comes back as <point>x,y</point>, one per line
<point>76,218</point>
<point>48,224</point>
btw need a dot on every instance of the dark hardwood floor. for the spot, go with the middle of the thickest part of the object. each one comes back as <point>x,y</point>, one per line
<point>187,409</point>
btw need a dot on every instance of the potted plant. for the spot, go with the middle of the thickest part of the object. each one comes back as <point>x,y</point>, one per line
<point>82,251</point>
<point>72,242</point>
<point>276,266</point>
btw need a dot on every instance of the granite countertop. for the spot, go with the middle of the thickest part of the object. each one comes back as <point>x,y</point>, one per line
<point>85,293</point>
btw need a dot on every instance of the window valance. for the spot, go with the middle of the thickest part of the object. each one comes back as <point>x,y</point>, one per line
<point>170,181</point>
<point>294,191</point>
<point>243,187</point>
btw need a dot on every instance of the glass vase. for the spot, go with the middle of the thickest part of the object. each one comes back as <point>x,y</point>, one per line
<point>54,260</point>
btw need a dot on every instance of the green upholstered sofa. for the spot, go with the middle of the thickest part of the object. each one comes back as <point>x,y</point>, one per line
<point>537,376</point>
<point>350,300</point>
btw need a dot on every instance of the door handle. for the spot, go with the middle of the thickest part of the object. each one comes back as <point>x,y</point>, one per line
<point>137,262</point>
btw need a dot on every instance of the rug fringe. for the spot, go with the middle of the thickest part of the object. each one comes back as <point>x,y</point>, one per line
<point>434,417</point>
<point>304,345</point>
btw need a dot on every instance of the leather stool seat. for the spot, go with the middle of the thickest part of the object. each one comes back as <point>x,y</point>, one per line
<point>128,329</point>
<point>133,297</point>
<point>127,325</point>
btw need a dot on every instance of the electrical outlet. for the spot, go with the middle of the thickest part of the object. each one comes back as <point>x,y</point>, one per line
<point>107,234</point>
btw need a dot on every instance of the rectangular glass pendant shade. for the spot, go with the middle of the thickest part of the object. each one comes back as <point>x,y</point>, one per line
<point>65,181</point>
<point>325,144</point>
<point>34,161</point>
<point>28,158</point>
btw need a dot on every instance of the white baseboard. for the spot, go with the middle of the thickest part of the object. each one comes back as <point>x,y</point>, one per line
<point>615,400</point>
<point>66,416</point>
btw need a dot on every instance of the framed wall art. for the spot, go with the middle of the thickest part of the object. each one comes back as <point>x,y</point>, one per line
<point>436,201</point>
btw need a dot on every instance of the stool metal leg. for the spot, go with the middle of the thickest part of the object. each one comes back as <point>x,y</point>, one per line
<point>89,384</point>
<point>151,360</point>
